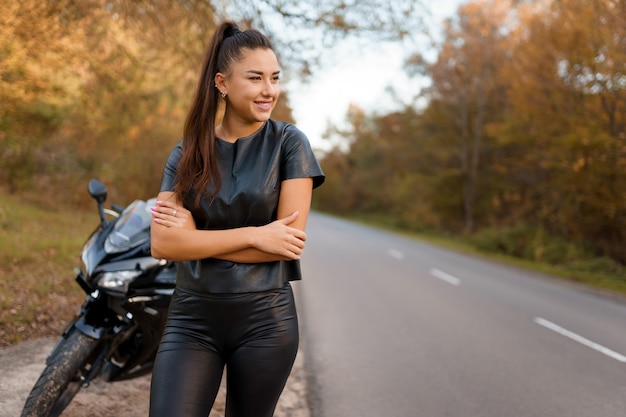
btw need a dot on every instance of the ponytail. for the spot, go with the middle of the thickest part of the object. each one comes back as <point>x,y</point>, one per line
<point>198,173</point>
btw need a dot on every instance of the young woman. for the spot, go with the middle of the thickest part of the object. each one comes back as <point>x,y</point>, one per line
<point>234,201</point>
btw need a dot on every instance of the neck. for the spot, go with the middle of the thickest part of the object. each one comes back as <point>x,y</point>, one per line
<point>230,130</point>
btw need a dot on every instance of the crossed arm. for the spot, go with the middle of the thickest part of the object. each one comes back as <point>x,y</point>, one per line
<point>176,237</point>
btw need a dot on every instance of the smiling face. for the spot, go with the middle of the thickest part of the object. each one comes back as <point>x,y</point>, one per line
<point>252,87</point>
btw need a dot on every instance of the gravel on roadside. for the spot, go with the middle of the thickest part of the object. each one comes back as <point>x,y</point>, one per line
<point>22,364</point>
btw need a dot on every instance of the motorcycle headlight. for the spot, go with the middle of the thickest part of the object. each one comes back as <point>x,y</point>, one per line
<point>117,281</point>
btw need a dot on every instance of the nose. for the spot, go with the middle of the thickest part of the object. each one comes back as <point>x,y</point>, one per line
<point>270,88</point>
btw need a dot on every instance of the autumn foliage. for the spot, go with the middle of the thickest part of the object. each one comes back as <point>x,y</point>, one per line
<point>96,89</point>
<point>522,143</point>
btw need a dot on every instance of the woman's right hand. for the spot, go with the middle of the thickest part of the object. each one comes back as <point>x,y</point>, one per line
<point>170,214</point>
<point>281,239</point>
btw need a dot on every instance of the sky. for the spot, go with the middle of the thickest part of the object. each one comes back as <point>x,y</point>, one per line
<point>360,78</point>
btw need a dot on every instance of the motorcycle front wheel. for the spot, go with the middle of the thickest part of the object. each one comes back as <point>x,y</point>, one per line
<point>63,376</point>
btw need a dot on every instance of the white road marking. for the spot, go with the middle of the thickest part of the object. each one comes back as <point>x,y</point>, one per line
<point>394,253</point>
<point>558,329</point>
<point>445,277</point>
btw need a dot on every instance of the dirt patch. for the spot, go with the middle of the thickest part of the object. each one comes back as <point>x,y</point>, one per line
<point>22,364</point>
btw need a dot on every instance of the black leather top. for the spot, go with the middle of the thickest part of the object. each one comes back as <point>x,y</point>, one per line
<point>252,170</point>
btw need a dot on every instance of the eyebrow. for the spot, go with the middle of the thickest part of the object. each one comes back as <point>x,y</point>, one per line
<point>257,72</point>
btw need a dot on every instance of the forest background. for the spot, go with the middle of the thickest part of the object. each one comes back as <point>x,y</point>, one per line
<point>517,146</point>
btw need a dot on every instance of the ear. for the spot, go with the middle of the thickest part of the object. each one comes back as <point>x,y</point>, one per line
<point>220,82</point>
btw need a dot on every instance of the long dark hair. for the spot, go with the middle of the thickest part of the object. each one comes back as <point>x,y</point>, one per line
<point>198,172</point>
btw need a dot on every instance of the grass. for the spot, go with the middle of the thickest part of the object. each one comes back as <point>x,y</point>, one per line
<point>39,250</point>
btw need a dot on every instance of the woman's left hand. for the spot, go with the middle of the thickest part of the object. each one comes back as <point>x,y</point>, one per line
<point>169,214</point>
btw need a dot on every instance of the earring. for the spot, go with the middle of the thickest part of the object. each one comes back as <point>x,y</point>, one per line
<point>221,93</point>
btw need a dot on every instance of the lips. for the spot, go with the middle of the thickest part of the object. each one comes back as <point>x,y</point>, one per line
<point>264,105</point>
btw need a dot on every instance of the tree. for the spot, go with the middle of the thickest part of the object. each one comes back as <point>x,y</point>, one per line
<point>465,82</point>
<point>592,68</point>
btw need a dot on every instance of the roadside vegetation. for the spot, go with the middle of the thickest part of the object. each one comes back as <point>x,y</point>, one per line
<point>39,251</point>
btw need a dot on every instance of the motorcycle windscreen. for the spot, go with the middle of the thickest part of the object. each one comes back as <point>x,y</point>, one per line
<point>132,228</point>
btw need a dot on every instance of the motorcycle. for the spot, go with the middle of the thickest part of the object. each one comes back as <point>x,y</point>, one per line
<point>116,333</point>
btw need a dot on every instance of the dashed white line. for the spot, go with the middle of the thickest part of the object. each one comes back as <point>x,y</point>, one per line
<point>593,345</point>
<point>395,253</point>
<point>445,277</point>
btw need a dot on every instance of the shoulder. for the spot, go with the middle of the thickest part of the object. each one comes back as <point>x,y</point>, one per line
<point>171,167</point>
<point>177,150</point>
<point>287,132</point>
<point>297,157</point>
<point>175,154</point>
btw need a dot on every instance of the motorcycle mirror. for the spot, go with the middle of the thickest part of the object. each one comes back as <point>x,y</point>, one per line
<point>97,190</point>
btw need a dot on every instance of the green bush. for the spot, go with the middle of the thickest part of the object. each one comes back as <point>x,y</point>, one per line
<point>598,265</point>
<point>512,241</point>
<point>530,243</point>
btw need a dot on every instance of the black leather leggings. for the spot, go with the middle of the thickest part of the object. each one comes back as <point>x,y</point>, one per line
<point>255,335</point>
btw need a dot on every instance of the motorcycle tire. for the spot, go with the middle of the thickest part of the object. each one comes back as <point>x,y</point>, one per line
<point>63,376</point>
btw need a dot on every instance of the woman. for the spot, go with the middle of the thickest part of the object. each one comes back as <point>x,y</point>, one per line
<point>234,201</point>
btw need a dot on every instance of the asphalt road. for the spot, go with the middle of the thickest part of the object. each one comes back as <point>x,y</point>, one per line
<point>396,328</point>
